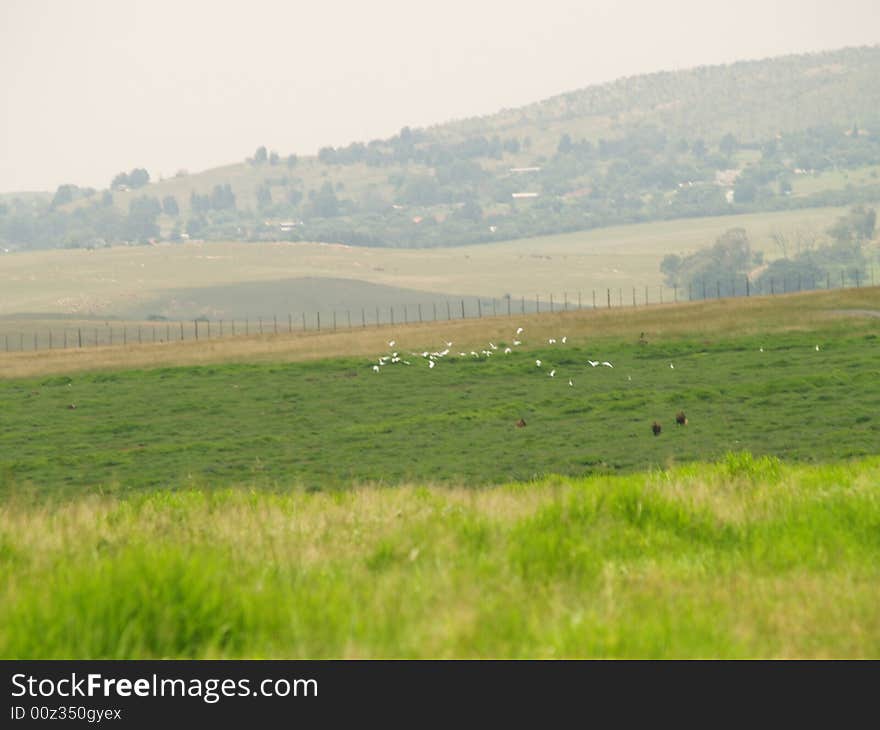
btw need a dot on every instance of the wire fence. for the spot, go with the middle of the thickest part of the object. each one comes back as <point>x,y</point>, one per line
<point>118,333</point>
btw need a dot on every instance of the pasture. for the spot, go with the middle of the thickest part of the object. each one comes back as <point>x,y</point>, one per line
<point>194,278</point>
<point>745,557</point>
<point>297,419</point>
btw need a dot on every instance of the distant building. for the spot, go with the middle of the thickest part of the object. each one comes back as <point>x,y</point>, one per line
<point>524,195</point>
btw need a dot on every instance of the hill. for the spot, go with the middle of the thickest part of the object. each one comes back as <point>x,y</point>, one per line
<point>774,134</point>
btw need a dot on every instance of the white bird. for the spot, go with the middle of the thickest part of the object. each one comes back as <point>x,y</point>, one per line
<point>392,343</point>
<point>395,359</point>
<point>564,339</point>
<point>493,345</point>
<point>425,353</point>
<point>443,353</point>
<point>431,363</point>
<point>519,330</point>
<point>593,363</point>
<point>517,342</point>
<point>375,368</point>
<point>448,344</point>
<point>552,373</point>
<point>761,350</point>
<point>538,363</point>
<point>570,383</point>
<point>671,366</point>
<point>607,364</point>
<point>629,377</point>
<point>552,341</point>
<point>463,354</point>
<point>817,348</point>
<point>507,350</point>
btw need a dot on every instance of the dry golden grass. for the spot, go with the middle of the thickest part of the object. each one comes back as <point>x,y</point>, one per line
<point>711,318</point>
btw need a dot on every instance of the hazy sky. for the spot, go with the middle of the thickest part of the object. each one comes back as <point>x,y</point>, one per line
<point>93,87</point>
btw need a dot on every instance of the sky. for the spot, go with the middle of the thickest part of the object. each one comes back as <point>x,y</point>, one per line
<point>95,87</point>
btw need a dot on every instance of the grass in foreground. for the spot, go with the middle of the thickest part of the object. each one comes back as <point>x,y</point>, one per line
<point>747,557</point>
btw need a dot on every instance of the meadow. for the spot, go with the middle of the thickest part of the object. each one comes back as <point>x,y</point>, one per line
<point>746,557</point>
<point>275,497</point>
<point>298,418</point>
<point>220,279</point>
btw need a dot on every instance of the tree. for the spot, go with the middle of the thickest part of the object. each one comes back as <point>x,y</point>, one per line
<point>138,177</point>
<point>565,144</point>
<point>264,196</point>
<point>140,224</point>
<point>291,161</point>
<point>325,203</point>
<point>170,206</point>
<point>273,158</point>
<point>728,144</point>
<point>120,181</point>
<point>63,195</point>
<point>260,155</point>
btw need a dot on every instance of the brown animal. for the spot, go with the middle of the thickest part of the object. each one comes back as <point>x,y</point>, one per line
<point>681,419</point>
<point>656,428</point>
<point>521,423</point>
<point>71,407</point>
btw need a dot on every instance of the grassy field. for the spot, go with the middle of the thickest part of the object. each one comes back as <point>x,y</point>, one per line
<point>742,558</point>
<point>274,497</point>
<point>318,423</point>
<point>135,281</point>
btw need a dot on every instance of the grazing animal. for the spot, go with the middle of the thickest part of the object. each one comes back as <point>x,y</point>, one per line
<point>681,419</point>
<point>656,428</point>
<point>521,423</point>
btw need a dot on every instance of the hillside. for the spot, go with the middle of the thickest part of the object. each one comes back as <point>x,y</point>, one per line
<point>775,134</point>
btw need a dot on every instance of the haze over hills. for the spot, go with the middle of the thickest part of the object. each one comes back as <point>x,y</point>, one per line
<point>781,133</point>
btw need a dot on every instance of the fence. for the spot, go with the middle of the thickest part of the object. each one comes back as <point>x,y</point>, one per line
<point>126,333</point>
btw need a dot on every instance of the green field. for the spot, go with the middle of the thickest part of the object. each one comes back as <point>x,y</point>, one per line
<point>743,558</point>
<point>329,423</point>
<point>281,499</point>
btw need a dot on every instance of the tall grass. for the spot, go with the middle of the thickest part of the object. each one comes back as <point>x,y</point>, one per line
<point>745,557</point>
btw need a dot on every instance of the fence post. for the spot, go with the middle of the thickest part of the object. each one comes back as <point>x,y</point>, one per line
<point>842,279</point>
<point>579,299</point>
<point>405,315</point>
<point>392,316</point>
<point>289,324</point>
<point>79,337</point>
<point>508,305</point>
<point>462,308</point>
<point>608,291</point>
<point>334,320</point>
<point>140,339</point>
<point>196,325</point>
<point>110,331</point>
<point>523,303</point>
<point>50,339</point>
<point>260,324</point>
<point>275,324</point>
<point>65,339</point>
<point>348,317</point>
<point>304,321</point>
<point>377,317</point>
<point>538,303</point>
<point>748,288</point>
<point>420,313</point>
<point>494,310</point>
<point>318,319</point>
<point>551,302</point>
<point>772,286</point>
<point>594,298</point>
<point>634,296</point>
<point>565,301</point>
<point>660,288</point>
<point>858,282</point>
<point>363,317</point>
<point>717,289</point>
<point>435,310</point>
<point>479,308</point>
<point>675,293</point>
<point>96,336</point>
<point>620,296</point>
<point>35,340</point>
<point>6,340</point>
<point>448,311</point>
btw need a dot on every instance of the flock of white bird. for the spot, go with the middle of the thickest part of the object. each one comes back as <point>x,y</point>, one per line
<point>432,358</point>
